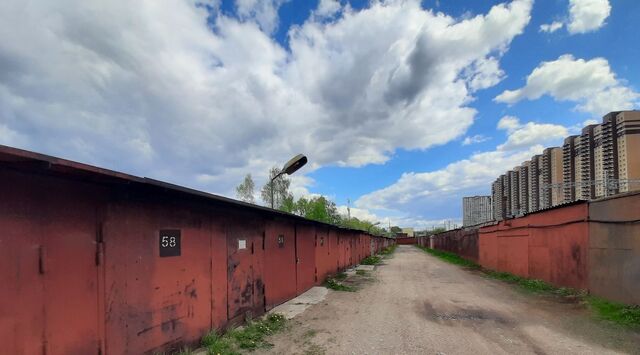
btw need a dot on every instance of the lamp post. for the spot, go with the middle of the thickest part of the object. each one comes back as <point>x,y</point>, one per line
<point>289,168</point>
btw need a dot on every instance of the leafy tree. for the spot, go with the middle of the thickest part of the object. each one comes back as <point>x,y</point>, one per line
<point>280,189</point>
<point>244,191</point>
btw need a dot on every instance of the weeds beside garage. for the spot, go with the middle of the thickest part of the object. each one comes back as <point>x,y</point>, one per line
<point>249,337</point>
<point>371,260</point>
<point>388,250</point>
<point>618,313</point>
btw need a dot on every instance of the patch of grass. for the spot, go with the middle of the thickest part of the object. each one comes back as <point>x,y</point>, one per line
<point>622,314</point>
<point>450,257</point>
<point>532,285</point>
<point>361,272</point>
<point>217,344</point>
<point>250,337</point>
<point>371,260</point>
<point>333,284</point>
<point>388,250</point>
<point>341,276</point>
<point>618,313</point>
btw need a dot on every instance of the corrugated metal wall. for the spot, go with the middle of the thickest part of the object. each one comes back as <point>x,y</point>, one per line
<point>82,270</point>
<point>585,245</point>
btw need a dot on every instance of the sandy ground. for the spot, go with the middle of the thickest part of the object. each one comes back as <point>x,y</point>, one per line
<point>417,304</point>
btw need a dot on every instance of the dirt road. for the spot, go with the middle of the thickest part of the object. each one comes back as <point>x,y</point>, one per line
<point>417,304</point>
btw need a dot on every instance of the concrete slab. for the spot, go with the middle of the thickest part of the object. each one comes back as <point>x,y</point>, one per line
<point>293,307</point>
<point>366,267</point>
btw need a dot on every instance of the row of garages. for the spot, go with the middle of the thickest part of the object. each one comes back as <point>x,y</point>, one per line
<point>99,262</point>
<point>592,245</point>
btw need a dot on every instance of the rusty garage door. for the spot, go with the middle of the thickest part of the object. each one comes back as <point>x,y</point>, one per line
<point>306,257</point>
<point>245,288</point>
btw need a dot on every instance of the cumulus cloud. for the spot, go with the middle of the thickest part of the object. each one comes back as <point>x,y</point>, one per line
<point>328,8</point>
<point>438,194</point>
<point>181,92</point>
<point>263,12</point>
<point>478,138</point>
<point>587,15</point>
<point>590,83</point>
<point>584,16</point>
<point>529,134</point>
<point>551,27</point>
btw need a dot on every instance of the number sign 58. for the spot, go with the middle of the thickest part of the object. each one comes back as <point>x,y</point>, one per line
<point>169,242</point>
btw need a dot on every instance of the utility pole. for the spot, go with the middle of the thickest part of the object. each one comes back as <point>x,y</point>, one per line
<point>349,208</point>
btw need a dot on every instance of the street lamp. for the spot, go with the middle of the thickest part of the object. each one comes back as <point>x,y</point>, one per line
<point>371,226</point>
<point>289,168</point>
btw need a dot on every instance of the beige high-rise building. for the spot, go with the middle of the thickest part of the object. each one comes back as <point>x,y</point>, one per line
<point>551,178</point>
<point>534,174</point>
<point>524,186</point>
<point>577,172</point>
<point>568,169</point>
<point>514,181</point>
<point>584,166</point>
<point>602,161</point>
<point>506,195</point>
<point>497,194</point>
<point>605,156</point>
<point>628,142</point>
<point>542,201</point>
<point>556,176</point>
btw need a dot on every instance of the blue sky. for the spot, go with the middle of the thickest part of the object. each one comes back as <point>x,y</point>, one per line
<point>382,96</point>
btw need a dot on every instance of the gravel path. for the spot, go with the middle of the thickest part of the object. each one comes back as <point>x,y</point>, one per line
<point>417,304</point>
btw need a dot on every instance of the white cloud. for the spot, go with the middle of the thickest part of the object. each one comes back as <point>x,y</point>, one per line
<point>587,15</point>
<point>509,123</point>
<point>328,8</point>
<point>551,27</point>
<point>175,92</point>
<point>530,134</point>
<point>10,137</point>
<point>478,138</point>
<point>484,73</point>
<point>263,12</point>
<point>438,194</point>
<point>590,83</point>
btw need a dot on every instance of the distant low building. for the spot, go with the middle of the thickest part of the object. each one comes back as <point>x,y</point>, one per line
<point>409,232</point>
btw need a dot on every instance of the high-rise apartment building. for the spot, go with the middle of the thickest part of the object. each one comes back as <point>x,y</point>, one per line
<point>605,156</point>
<point>628,142</point>
<point>498,202</point>
<point>556,176</point>
<point>514,180</point>
<point>476,210</point>
<point>587,172</point>
<point>534,178</point>
<point>506,195</point>
<point>568,169</point>
<point>524,186</point>
<point>545,180</point>
<point>602,161</point>
<point>542,182</point>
